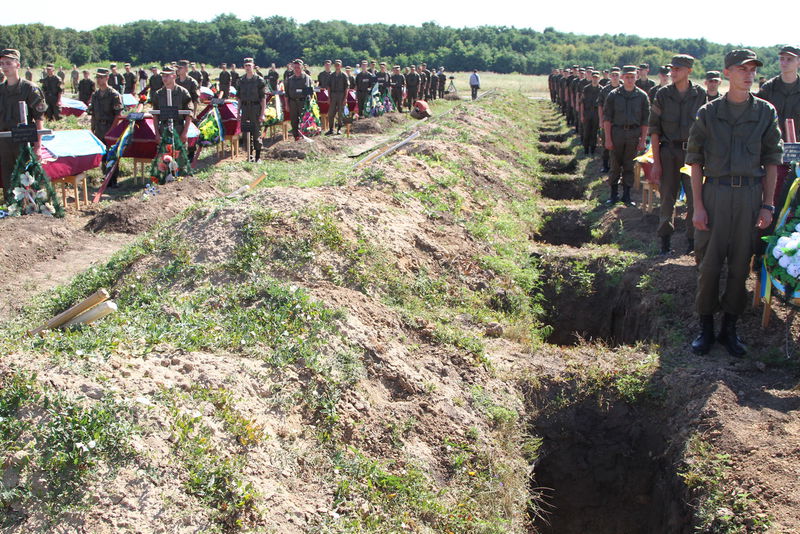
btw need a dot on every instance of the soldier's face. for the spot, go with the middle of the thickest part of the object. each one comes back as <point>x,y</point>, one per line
<point>298,69</point>
<point>712,86</point>
<point>168,78</point>
<point>9,65</point>
<point>789,63</point>
<point>49,71</point>
<point>102,81</point>
<point>741,77</point>
<point>248,68</point>
<point>679,74</point>
<point>629,80</point>
<point>615,77</point>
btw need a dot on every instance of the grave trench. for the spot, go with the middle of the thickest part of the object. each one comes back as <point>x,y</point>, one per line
<point>559,164</point>
<point>562,188</point>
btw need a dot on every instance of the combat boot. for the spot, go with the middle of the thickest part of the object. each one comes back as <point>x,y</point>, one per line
<point>613,199</point>
<point>666,246</point>
<point>728,337</point>
<point>329,132</point>
<point>626,196</point>
<point>702,343</point>
<point>605,168</point>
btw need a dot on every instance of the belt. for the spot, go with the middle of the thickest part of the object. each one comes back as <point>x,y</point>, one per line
<point>736,181</point>
<point>628,127</point>
<point>681,145</point>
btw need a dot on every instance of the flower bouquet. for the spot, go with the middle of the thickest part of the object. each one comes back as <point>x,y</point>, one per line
<point>310,123</point>
<point>782,256</point>
<point>274,113</point>
<point>211,129</point>
<point>171,162</point>
<point>31,189</point>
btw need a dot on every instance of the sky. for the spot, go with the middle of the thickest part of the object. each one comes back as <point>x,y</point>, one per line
<point>679,20</point>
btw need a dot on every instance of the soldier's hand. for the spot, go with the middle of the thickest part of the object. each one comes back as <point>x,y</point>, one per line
<point>642,145</point>
<point>764,219</point>
<point>655,173</point>
<point>609,144</point>
<point>700,218</point>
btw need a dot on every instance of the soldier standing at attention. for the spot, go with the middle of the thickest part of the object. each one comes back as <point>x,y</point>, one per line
<point>442,81</point>
<point>130,80</point>
<point>299,86</point>
<point>63,75</point>
<point>12,92</point>
<point>115,79</point>
<point>338,86</point>
<point>52,88</point>
<point>205,78</point>
<point>412,86</point>
<point>625,116</point>
<point>74,76</point>
<point>434,92</point>
<point>736,144</point>
<point>105,105</point>
<point>28,74</point>
<point>474,83</point>
<point>605,79</point>
<point>382,78</point>
<point>272,78</point>
<point>579,86</point>
<point>642,81</point>
<point>364,81</point>
<point>180,99</point>
<point>712,82</point>
<point>591,121</point>
<point>671,116</point>
<point>351,80</point>
<point>287,73</point>
<point>322,77</point>
<point>187,82</point>
<point>224,80</point>
<point>86,87</point>
<point>397,82</point>
<point>601,102</point>
<point>663,81</point>
<point>234,76</point>
<point>252,104</point>
<point>154,83</point>
<point>195,74</point>
<point>425,81</point>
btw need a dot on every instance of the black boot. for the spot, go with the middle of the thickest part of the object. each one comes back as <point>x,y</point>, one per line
<point>605,168</point>
<point>613,199</point>
<point>702,343</point>
<point>690,246</point>
<point>665,244</point>
<point>258,155</point>
<point>728,337</point>
<point>626,195</point>
<point>329,132</point>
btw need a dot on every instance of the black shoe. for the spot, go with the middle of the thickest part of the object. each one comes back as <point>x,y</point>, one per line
<point>626,196</point>
<point>690,247</point>
<point>728,337</point>
<point>666,247</point>
<point>612,200</point>
<point>329,132</point>
<point>702,343</point>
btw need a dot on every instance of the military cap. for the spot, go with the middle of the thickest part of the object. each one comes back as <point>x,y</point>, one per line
<point>337,62</point>
<point>153,67</point>
<point>223,65</point>
<point>590,68</point>
<point>595,74</point>
<point>629,69</point>
<point>327,62</point>
<point>49,66</point>
<point>644,66</point>
<point>183,63</point>
<point>297,61</point>
<point>664,69</point>
<point>247,60</point>
<point>10,52</point>
<point>167,70</point>
<point>616,69</point>
<point>396,67</point>
<point>713,75</point>
<point>576,66</point>
<point>348,67</point>
<point>127,64</point>
<point>101,72</point>
<point>413,66</point>
<point>735,58</point>
<point>113,65</point>
<point>791,50</point>
<point>582,69</point>
<point>682,60</point>
<point>383,63</point>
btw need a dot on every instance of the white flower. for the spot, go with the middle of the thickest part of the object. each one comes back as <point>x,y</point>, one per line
<point>13,211</point>
<point>19,193</point>
<point>784,261</point>
<point>782,241</point>
<point>42,194</point>
<point>26,179</point>
<point>793,270</point>
<point>777,252</point>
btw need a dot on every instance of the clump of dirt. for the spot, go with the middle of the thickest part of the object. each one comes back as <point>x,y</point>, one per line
<point>141,212</point>
<point>562,188</point>
<point>368,126</point>
<point>564,226</point>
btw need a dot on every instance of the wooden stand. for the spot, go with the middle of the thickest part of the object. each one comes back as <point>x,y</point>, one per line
<point>324,121</point>
<point>650,194</point>
<point>74,181</point>
<point>140,164</point>
<point>234,143</point>
<point>347,129</point>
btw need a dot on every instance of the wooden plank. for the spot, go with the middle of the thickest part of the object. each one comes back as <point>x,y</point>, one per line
<point>93,300</point>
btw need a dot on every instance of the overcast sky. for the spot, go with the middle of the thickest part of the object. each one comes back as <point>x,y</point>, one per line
<point>676,20</point>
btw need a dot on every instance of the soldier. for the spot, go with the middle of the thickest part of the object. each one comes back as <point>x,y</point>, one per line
<point>13,91</point>
<point>663,81</point>
<point>130,80</point>
<point>338,85</point>
<point>578,88</point>
<point>397,82</point>
<point>188,83</point>
<point>364,81</point>
<point>205,78</point>
<point>115,79</point>
<point>195,74</point>
<point>671,115</point>
<point>625,116</point>
<point>372,69</point>
<point>154,83</point>
<point>591,121</point>
<point>52,88</point>
<point>224,80</point>
<point>566,94</point>
<point>712,82</point>
<point>272,78</point>
<point>287,73</point>
<point>351,80</point>
<point>180,99</point>
<point>322,77</point>
<point>86,88</point>
<point>382,78</point>
<point>299,87</point>
<point>74,76</point>
<point>252,104</point>
<point>412,86</point>
<point>601,102</point>
<point>434,91</point>
<point>551,84</point>
<point>142,76</point>
<point>736,144</point>
<point>474,83</point>
<point>442,81</point>
<point>104,107</point>
<point>425,81</point>
<point>642,81</point>
<point>63,75</point>
<point>28,74</point>
<point>606,78</point>
<point>234,75</point>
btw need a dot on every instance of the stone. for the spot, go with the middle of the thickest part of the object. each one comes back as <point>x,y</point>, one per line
<point>493,330</point>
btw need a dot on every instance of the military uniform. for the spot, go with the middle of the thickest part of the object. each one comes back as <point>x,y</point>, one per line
<point>272,79</point>
<point>382,79</point>
<point>601,102</point>
<point>425,82</point>
<point>671,116</point>
<point>190,84</point>
<point>627,112</point>
<point>205,79</point>
<point>10,96</point>
<point>103,108</point>
<point>225,83</point>
<point>154,84</point>
<point>645,85</point>
<point>434,92</point>
<point>234,79</point>
<point>351,80</point>
<point>85,90</point>
<point>397,82</point>
<point>130,82</point>
<point>28,75</point>
<point>251,92</point>
<point>298,88</point>
<point>591,122</point>
<point>196,76</point>
<point>116,81</point>
<point>180,99</point>
<point>442,82</point>
<point>364,81</point>
<point>338,86</point>
<point>412,88</point>
<point>322,77</point>
<point>74,78</point>
<point>52,88</point>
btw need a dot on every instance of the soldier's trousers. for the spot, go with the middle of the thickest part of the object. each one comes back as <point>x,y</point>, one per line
<point>441,91</point>
<point>295,113</point>
<point>8,157</point>
<point>335,109</point>
<point>251,122</point>
<point>625,144</point>
<point>411,95</point>
<point>672,159</point>
<point>361,96</point>
<point>732,235</point>
<point>397,96</point>
<point>53,108</point>
<point>590,125</point>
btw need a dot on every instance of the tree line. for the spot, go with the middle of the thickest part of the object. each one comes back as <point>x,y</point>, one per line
<point>277,39</point>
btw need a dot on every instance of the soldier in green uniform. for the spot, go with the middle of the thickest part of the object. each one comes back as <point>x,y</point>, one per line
<point>434,92</point>
<point>13,91</point>
<point>338,85</point>
<point>579,87</point>
<point>425,82</point>
<point>52,89</point>
<point>324,75</point>
<point>74,77</point>
<point>298,88</point>
<point>382,78</point>
<point>412,86</point>
<point>130,80</point>
<point>397,82</point>
<point>442,82</point>
<point>188,83</point>
<point>61,74</point>
<point>364,81</point>
<point>224,80</point>
<point>663,81</point>
<point>591,121</point>
<point>104,107</point>
<point>205,78</point>
<point>195,74</point>
<point>613,83</point>
<point>625,116</point>
<point>272,78</point>
<point>606,78</point>
<point>736,144</point>
<point>642,81</point>
<point>252,104</point>
<point>180,99</point>
<point>85,88</point>
<point>154,83</point>
<point>288,72</point>
<point>28,74</point>
<point>351,80</point>
<point>115,79</point>
<point>672,113</point>
<point>713,79</point>
<point>234,76</point>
